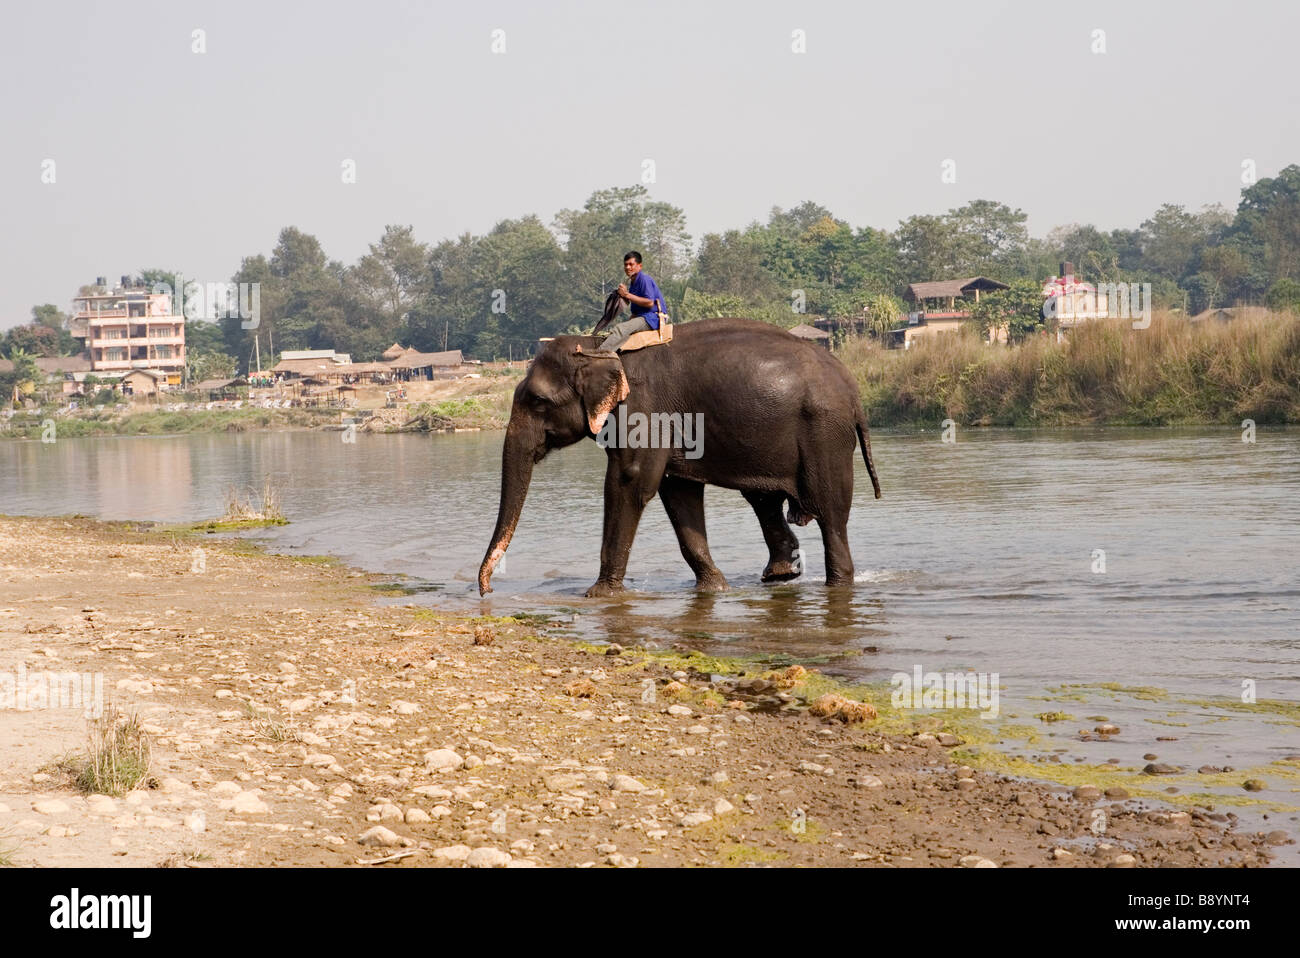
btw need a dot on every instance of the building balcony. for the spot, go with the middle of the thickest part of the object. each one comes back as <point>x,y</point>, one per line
<point>100,365</point>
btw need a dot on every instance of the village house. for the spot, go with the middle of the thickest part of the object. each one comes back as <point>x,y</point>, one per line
<point>144,382</point>
<point>130,327</point>
<point>942,306</point>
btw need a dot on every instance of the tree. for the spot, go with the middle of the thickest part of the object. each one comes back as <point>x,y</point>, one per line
<point>23,379</point>
<point>884,313</point>
<point>1284,295</point>
<point>1019,309</point>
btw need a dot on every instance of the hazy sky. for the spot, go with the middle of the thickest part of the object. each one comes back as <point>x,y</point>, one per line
<point>173,159</point>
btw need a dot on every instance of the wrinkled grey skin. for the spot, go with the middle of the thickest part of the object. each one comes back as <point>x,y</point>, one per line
<point>782,419</point>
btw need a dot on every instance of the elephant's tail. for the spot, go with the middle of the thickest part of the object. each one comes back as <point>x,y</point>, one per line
<point>866,450</point>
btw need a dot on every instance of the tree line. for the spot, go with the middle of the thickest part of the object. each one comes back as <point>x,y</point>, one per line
<point>494,295</point>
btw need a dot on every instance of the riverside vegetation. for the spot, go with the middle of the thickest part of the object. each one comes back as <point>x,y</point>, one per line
<point>1172,373</point>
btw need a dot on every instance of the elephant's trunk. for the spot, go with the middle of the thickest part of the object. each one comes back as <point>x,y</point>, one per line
<point>517,459</point>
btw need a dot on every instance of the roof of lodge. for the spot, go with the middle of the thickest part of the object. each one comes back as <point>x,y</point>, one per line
<point>411,359</point>
<point>943,288</point>
<point>804,331</point>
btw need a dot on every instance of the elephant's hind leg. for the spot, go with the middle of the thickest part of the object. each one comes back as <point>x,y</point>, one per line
<point>780,538</point>
<point>684,502</point>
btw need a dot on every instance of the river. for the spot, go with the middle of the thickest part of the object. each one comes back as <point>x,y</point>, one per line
<point>985,554</point>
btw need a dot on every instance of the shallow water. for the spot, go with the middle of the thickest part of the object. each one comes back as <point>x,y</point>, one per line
<point>981,556</point>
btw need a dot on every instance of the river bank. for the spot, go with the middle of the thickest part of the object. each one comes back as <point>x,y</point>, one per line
<point>298,715</point>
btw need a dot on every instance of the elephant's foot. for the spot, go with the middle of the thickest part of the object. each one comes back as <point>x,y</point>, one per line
<point>782,570</point>
<point>604,587</point>
<point>842,579</point>
<point>713,581</point>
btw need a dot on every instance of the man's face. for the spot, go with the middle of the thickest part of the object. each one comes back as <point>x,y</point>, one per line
<point>631,267</point>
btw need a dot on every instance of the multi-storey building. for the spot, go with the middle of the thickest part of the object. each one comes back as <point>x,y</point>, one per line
<point>130,327</point>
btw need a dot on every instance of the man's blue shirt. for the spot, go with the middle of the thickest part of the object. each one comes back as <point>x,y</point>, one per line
<point>643,285</point>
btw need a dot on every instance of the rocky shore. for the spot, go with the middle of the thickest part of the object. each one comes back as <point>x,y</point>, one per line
<point>297,716</point>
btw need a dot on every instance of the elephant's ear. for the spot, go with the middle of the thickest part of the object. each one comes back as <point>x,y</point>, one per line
<point>602,385</point>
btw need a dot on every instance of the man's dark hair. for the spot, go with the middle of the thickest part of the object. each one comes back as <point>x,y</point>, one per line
<point>634,256</point>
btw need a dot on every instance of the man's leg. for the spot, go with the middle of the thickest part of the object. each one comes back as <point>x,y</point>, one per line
<point>622,332</point>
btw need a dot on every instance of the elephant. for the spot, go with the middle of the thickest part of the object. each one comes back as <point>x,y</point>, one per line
<point>781,419</point>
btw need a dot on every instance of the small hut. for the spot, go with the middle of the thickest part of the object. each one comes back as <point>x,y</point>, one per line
<point>812,334</point>
<point>392,352</point>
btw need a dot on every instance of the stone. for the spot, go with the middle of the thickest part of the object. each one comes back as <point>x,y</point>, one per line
<point>381,837</point>
<point>678,710</point>
<point>1087,793</point>
<point>1160,769</point>
<point>1116,794</point>
<point>1254,785</point>
<point>442,760</point>
<point>870,781</point>
<point>692,819</point>
<point>625,783</point>
<point>417,816</point>
<point>487,857</point>
<point>452,853</point>
<point>722,806</point>
<point>246,803</point>
<point>51,807</point>
<point>226,789</point>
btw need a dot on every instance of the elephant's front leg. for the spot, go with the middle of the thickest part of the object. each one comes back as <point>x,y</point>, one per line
<point>684,502</point>
<point>780,538</point>
<point>630,483</point>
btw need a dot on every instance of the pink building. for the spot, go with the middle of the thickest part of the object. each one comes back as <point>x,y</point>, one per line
<point>130,328</point>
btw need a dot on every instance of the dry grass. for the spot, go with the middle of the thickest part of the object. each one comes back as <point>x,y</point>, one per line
<point>250,506</point>
<point>118,756</point>
<point>1173,372</point>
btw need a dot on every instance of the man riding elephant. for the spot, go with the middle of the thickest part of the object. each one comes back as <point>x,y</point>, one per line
<point>642,292</point>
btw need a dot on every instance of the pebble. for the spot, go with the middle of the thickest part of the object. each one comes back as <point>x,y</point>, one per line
<point>488,857</point>
<point>698,730</point>
<point>51,807</point>
<point>693,819</point>
<point>679,710</point>
<point>977,861</point>
<point>246,803</point>
<point>1061,854</point>
<point>452,853</point>
<point>100,805</point>
<point>719,778</point>
<point>966,784</point>
<point>626,783</point>
<point>1160,769</point>
<point>870,781</point>
<point>226,789</point>
<point>381,836</point>
<point>1123,861</point>
<point>1107,729</point>
<point>1087,793</point>
<point>722,806</point>
<point>1254,785</point>
<point>197,822</point>
<point>442,759</point>
<point>1116,794</point>
<point>417,816</point>
<point>384,812</point>
<point>947,739</point>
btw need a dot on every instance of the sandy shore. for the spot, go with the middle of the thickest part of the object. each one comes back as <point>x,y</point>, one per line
<point>295,719</point>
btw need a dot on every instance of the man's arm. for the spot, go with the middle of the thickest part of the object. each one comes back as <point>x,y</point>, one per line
<point>629,297</point>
